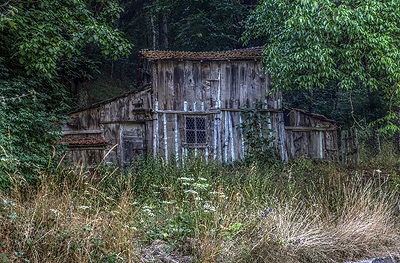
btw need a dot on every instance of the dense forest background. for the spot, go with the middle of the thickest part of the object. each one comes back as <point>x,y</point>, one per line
<point>60,55</point>
<point>164,25</point>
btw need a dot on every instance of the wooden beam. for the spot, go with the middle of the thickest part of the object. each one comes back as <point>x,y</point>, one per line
<point>126,122</point>
<point>304,129</point>
<point>209,112</point>
<point>82,132</point>
<point>187,112</point>
<point>262,110</point>
<point>81,147</point>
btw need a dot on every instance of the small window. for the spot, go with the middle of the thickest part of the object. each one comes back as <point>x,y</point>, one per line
<point>195,130</point>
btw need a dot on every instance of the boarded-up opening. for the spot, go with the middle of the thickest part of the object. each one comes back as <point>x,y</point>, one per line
<point>132,142</point>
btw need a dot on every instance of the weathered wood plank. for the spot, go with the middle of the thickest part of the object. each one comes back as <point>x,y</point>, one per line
<point>82,132</point>
<point>303,128</point>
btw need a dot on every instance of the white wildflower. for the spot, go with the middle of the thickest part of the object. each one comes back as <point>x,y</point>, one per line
<point>83,207</point>
<point>168,202</point>
<point>200,186</point>
<point>190,191</point>
<point>186,179</point>
<point>209,208</point>
<point>132,227</point>
<point>55,212</point>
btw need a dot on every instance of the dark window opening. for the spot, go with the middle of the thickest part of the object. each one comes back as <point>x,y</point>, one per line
<point>196,130</point>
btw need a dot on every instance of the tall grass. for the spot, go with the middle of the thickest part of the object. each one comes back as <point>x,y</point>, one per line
<point>198,211</point>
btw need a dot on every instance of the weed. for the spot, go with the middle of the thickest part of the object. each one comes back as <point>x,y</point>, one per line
<point>304,211</point>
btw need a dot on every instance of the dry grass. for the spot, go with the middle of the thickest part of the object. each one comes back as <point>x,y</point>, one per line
<point>198,216</point>
<point>363,227</point>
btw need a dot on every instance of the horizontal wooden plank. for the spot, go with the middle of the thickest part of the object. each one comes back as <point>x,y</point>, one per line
<point>82,132</point>
<point>303,128</point>
<point>190,146</point>
<point>187,112</point>
<point>141,110</point>
<point>79,147</point>
<point>127,122</point>
<point>262,110</point>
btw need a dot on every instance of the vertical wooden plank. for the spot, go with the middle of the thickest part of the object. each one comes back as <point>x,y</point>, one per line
<point>215,132</point>
<point>165,137</point>
<point>356,147</point>
<point>176,138</point>
<point>226,85</point>
<point>343,147</point>
<point>198,83</point>
<point>171,98</point>
<point>245,84</point>
<point>282,137</point>
<point>205,89</point>
<point>234,87</point>
<point>320,144</point>
<point>161,85</point>
<point>179,76</point>
<point>241,136</point>
<point>226,141</point>
<point>232,135</point>
<point>149,137</point>
<point>189,82</point>
<point>184,149</point>
<point>155,132</point>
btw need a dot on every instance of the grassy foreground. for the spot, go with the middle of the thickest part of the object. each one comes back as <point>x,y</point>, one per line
<point>304,211</point>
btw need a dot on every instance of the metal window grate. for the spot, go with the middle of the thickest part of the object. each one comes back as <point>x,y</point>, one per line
<point>195,130</point>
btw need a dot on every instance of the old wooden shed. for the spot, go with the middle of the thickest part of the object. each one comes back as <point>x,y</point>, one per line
<point>190,102</point>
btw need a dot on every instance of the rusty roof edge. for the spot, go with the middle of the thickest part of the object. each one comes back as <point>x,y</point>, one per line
<point>314,115</point>
<point>98,104</point>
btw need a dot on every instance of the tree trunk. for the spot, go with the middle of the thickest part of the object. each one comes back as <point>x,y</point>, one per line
<point>163,31</point>
<point>153,30</point>
<point>372,110</point>
<point>311,100</point>
<point>338,103</point>
<point>82,92</point>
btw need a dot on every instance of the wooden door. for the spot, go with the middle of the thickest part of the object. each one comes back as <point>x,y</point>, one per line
<point>133,144</point>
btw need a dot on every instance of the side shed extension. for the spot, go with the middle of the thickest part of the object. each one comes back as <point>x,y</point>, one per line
<point>310,135</point>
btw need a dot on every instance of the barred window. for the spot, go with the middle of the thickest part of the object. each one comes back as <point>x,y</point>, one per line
<point>195,130</point>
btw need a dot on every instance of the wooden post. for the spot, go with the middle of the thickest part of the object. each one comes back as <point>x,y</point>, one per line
<point>343,147</point>
<point>356,147</point>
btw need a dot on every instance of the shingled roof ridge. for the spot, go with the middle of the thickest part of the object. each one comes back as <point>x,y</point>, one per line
<point>244,53</point>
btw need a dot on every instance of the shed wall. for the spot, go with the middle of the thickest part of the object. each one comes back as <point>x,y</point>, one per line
<point>215,90</point>
<point>121,121</point>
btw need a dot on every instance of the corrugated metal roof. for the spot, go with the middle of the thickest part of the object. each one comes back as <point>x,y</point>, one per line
<point>236,54</point>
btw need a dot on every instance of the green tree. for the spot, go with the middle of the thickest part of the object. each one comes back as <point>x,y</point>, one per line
<point>203,25</point>
<point>42,43</point>
<point>348,45</point>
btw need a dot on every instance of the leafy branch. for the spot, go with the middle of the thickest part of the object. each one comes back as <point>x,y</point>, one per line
<point>258,137</point>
